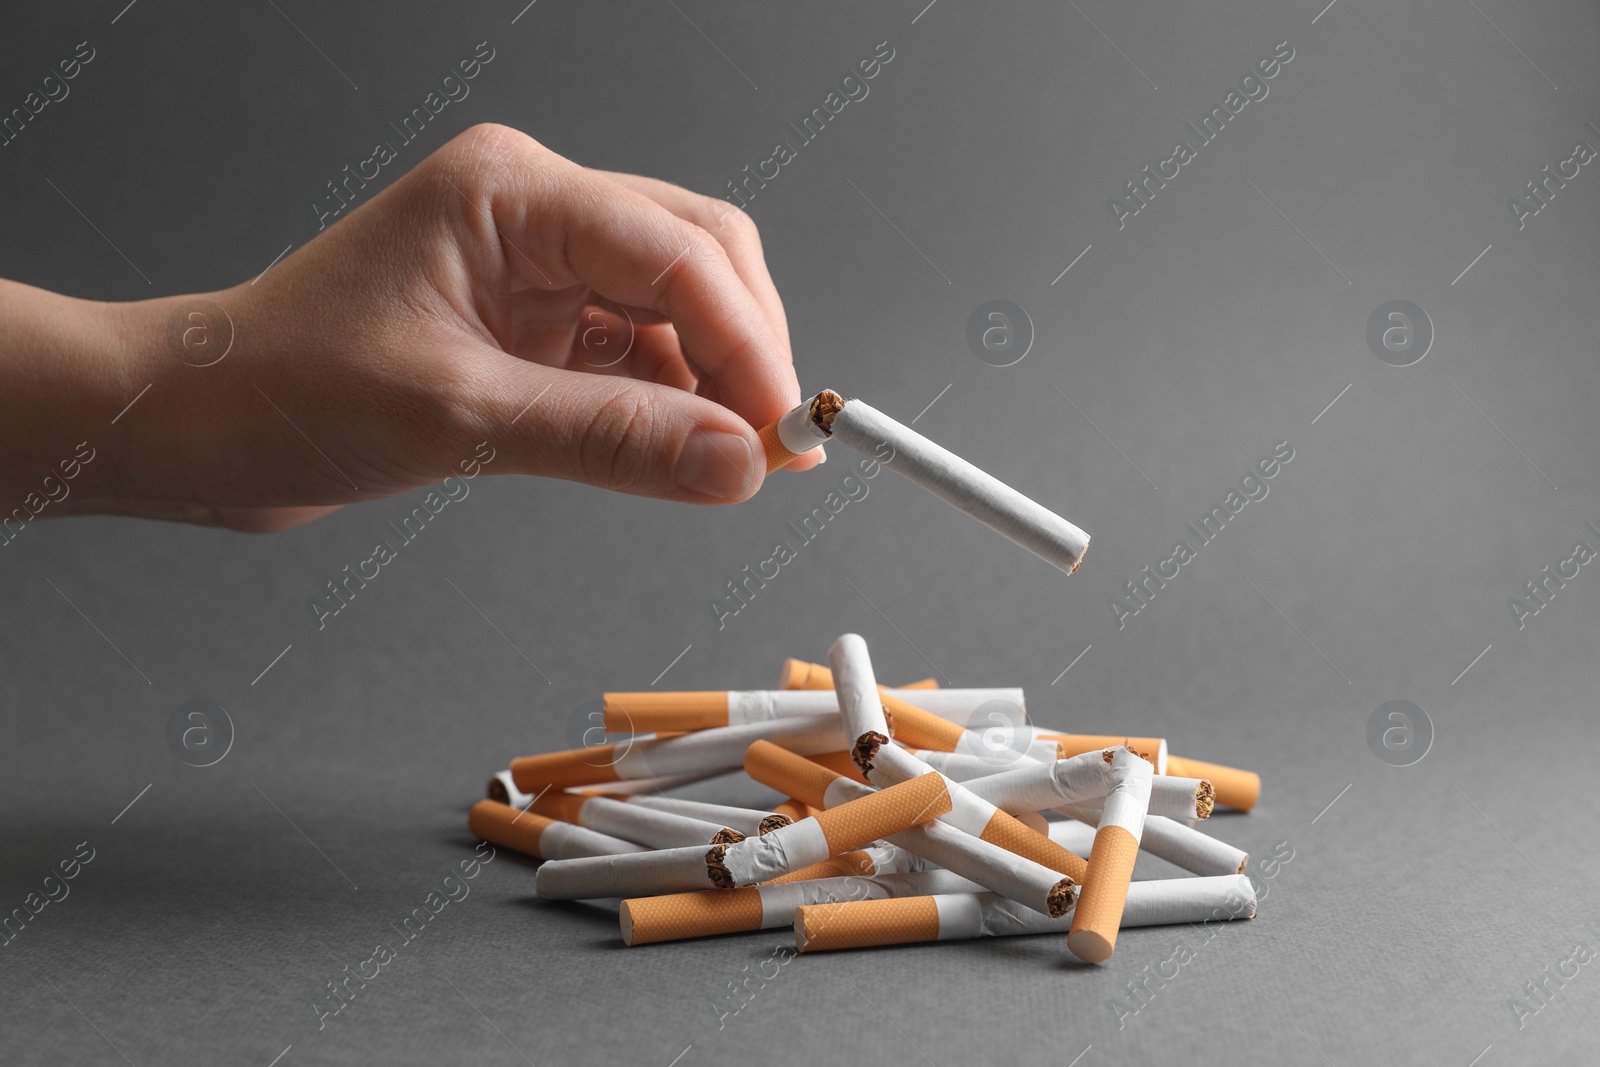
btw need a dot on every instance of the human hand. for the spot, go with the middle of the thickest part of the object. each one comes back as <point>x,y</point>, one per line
<point>598,327</point>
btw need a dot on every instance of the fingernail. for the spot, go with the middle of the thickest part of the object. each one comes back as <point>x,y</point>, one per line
<point>822,454</point>
<point>714,463</point>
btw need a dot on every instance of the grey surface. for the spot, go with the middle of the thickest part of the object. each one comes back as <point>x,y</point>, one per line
<point>1209,329</point>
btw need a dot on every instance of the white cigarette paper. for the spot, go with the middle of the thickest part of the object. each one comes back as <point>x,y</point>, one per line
<point>637,874</point>
<point>563,841</point>
<point>646,826</point>
<point>959,705</point>
<point>952,479</point>
<point>747,821</point>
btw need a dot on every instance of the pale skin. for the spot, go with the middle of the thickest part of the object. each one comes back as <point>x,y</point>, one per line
<point>477,299</point>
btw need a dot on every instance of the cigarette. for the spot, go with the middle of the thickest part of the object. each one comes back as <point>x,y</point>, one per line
<point>674,917</point>
<point>952,479</point>
<point>850,825</point>
<point>955,706</point>
<point>1235,788</point>
<point>748,821</point>
<point>1040,786</point>
<point>534,835</point>
<point>704,752</point>
<point>1098,916</point>
<point>875,921</point>
<point>641,825</point>
<point>921,683</point>
<point>1026,881</point>
<point>653,711</point>
<point>1152,749</point>
<point>636,874</point>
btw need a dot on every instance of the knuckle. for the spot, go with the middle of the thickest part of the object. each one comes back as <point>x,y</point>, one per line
<point>620,441</point>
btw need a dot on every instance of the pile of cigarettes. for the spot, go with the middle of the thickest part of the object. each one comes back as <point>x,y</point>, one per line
<point>901,824</point>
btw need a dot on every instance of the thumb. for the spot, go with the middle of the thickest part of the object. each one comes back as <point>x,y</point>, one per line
<point>622,434</point>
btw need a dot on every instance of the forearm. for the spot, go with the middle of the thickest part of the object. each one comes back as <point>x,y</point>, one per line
<point>67,368</point>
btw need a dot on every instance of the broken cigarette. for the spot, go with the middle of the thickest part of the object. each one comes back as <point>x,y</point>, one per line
<point>899,920</point>
<point>636,874</point>
<point>704,752</point>
<point>676,916</point>
<point>1098,916</point>
<point>952,479</point>
<point>850,825</point>
<point>631,822</point>
<point>748,821</point>
<point>1235,788</point>
<point>538,836</point>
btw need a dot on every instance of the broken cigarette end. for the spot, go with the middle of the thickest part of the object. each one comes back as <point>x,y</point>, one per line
<point>726,836</point>
<point>715,869</point>
<point>1062,897</point>
<point>1205,799</point>
<point>773,822</point>
<point>824,406</point>
<point>866,748</point>
<point>497,791</point>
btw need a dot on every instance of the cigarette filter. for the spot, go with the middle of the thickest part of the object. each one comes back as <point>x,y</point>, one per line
<point>850,825</point>
<point>870,921</point>
<point>644,826</point>
<point>747,821</point>
<point>650,711</point>
<point>1098,917</point>
<point>952,479</point>
<point>1235,788</point>
<point>637,874</point>
<point>796,432</point>
<point>1017,877</point>
<point>921,683</point>
<point>793,810</point>
<point>705,751</point>
<point>538,836</point>
<point>676,916</point>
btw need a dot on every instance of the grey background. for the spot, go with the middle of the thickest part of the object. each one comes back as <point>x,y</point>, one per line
<point>1415,906</point>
